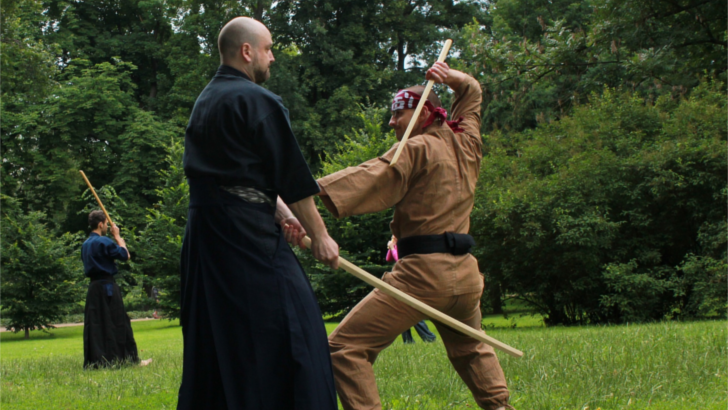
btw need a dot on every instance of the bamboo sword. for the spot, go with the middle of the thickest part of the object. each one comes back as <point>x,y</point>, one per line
<point>428,87</point>
<point>421,307</point>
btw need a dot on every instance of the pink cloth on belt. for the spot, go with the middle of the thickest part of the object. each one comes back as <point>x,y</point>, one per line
<point>392,255</point>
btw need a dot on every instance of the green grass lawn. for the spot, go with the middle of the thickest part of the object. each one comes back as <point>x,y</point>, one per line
<point>666,366</point>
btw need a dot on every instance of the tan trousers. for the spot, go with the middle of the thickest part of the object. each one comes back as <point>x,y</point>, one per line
<point>376,322</point>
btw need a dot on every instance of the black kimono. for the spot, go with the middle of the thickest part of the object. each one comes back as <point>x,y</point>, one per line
<point>107,335</point>
<point>253,333</point>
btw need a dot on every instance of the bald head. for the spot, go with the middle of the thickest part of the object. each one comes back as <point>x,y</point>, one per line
<point>431,97</point>
<point>237,32</point>
<point>245,44</point>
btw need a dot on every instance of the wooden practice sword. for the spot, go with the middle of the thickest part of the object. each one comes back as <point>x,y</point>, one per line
<point>108,218</point>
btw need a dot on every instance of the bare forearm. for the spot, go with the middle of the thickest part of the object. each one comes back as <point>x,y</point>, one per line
<point>282,211</point>
<point>323,247</point>
<point>306,212</point>
<point>455,79</point>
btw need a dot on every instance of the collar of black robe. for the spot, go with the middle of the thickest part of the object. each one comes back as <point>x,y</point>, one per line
<point>227,70</point>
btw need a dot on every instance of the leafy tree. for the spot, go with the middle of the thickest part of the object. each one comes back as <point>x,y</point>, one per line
<point>90,123</point>
<point>42,272</point>
<point>611,214</point>
<point>537,59</point>
<point>28,79</point>
<point>159,244</point>
<point>130,30</point>
<point>28,66</point>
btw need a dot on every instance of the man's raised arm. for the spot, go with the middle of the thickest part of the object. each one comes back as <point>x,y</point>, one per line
<point>468,96</point>
<point>119,240</point>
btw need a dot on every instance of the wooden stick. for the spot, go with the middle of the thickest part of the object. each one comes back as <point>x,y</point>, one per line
<point>421,307</point>
<point>108,218</point>
<point>405,137</point>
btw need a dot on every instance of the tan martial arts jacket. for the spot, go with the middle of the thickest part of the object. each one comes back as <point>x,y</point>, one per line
<point>432,187</point>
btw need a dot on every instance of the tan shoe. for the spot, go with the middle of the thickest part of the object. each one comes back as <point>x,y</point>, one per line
<point>145,362</point>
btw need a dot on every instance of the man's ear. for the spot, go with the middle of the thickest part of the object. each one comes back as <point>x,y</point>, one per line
<point>424,114</point>
<point>246,51</point>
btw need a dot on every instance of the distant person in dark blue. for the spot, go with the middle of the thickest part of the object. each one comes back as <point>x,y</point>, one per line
<point>253,333</point>
<point>422,330</point>
<point>107,335</point>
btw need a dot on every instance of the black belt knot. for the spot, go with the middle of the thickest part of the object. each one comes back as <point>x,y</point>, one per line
<point>94,276</point>
<point>449,242</point>
<point>206,192</point>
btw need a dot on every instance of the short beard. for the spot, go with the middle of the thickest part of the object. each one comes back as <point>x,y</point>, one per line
<point>261,74</point>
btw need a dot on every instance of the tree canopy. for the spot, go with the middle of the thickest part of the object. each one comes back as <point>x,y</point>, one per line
<point>597,114</point>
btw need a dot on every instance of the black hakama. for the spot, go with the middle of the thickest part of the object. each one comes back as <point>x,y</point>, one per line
<point>107,335</point>
<point>253,334</point>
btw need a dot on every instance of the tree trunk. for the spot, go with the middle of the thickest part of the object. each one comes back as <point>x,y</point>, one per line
<point>27,333</point>
<point>260,7</point>
<point>148,289</point>
<point>401,56</point>
<point>494,296</point>
<point>153,88</point>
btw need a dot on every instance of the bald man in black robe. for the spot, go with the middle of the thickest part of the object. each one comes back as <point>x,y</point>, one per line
<point>253,333</point>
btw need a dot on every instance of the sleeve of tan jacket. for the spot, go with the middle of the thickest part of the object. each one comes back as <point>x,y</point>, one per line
<point>370,187</point>
<point>468,98</point>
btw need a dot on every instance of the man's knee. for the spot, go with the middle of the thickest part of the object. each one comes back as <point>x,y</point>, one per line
<point>339,352</point>
<point>346,355</point>
<point>468,348</point>
<point>334,345</point>
<point>464,350</point>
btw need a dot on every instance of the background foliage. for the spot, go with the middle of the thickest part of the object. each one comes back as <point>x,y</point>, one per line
<point>603,189</point>
<point>605,215</point>
<point>46,271</point>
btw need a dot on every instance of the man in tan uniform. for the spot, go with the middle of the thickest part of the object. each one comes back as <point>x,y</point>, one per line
<point>432,187</point>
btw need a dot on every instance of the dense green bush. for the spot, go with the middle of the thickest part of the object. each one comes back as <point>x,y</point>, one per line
<point>157,246</point>
<point>615,213</point>
<point>137,300</point>
<point>42,273</point>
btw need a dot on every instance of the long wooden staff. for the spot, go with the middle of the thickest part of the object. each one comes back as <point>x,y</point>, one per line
<point>421,307</point>
<point>108,218</point>
<point>428,87</point>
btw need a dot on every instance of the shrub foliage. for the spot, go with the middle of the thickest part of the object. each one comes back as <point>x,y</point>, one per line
<point>615,213</point>
<point>42,273</point>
